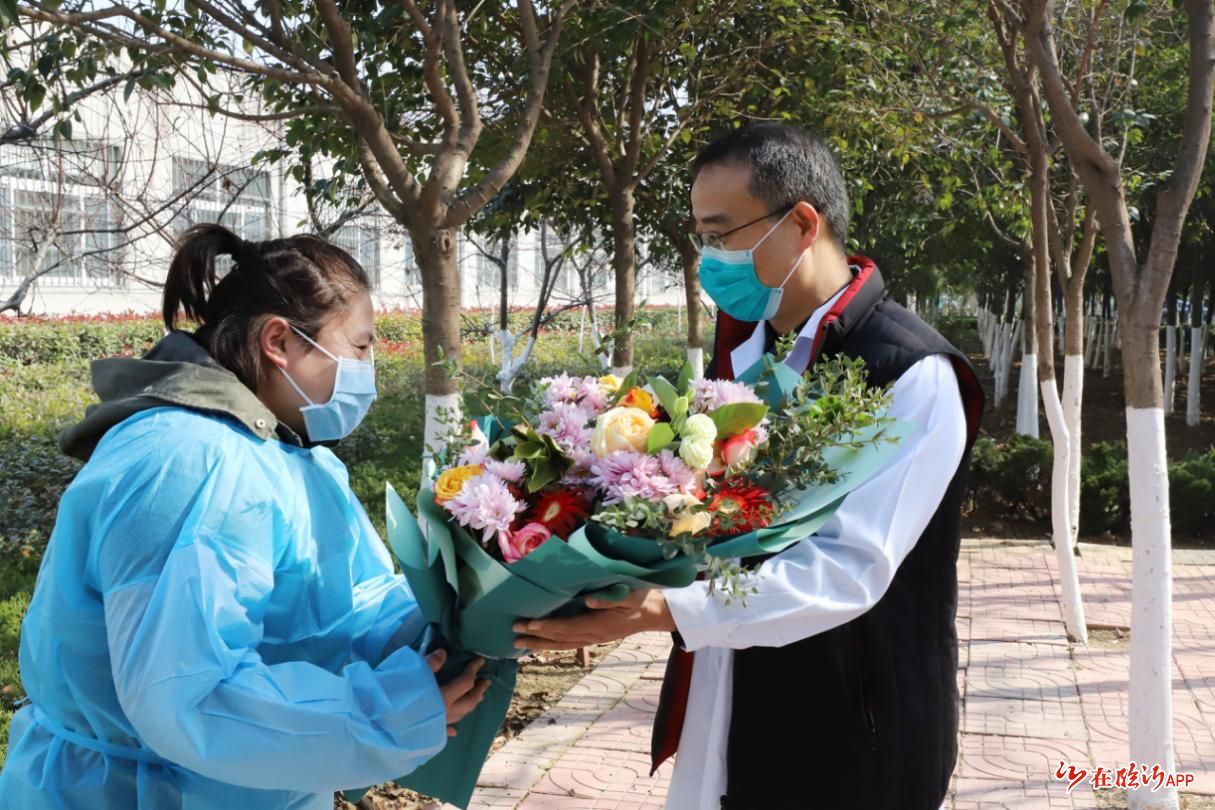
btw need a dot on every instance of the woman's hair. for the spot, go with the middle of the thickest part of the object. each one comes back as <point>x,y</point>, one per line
<point>301,278</point>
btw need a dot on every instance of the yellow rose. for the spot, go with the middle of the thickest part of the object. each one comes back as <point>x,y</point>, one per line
<point>451,482</point>
<point>611,382</point>
<point>691,523</point>
<point>621,429</point>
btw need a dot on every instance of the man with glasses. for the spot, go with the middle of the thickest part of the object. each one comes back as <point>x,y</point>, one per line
<point>834,686</point>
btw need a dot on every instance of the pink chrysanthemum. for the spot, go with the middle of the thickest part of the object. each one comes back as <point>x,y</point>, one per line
<point>628,474</point>
<point>486,505</point>
<point>566,424</point>
<point>474,454</point>
<point>708,395</point>
<point>580,471</point>
<point>510,471</point>
<point>679,474</point>
<point>562,388</point>
<point>592,396</point>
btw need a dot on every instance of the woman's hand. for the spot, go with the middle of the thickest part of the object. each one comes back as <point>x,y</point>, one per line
<point>463,693</point>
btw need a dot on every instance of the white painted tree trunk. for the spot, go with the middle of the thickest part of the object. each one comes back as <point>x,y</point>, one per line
<point>1010,336</point>
<point>442,416</point>
<point>1151,687</point>
<point>997,363</point>
<point>696,359</point>
<point>511,365</point>
<point>1027,397</point>
<point>597,342</point>
<point>1092,330</point>
<point>581,328</point>
<point>1107,356</point>
<point>1198,337</point>
<point>1073,399</point>
<point>1073,608</point>
<point>1170,367</point>
<point>985,331</point>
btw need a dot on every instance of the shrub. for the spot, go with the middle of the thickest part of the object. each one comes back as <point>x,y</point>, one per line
<point>1015,473</point>
<point>38,341</point>
<point>962,331</point>
<point>1192,493</point>
<point>1105,494</point>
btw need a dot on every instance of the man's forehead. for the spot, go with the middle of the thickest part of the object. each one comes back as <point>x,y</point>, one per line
<point>722,192</point>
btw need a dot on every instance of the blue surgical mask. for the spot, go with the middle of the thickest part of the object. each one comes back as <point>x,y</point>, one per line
<point>353,393</point>
<point>729,278</point>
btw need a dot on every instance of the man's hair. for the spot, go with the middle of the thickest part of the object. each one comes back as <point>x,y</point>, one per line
<point>788,165</point>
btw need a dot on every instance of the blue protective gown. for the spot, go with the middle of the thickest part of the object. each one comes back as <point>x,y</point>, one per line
<point>215,625</point>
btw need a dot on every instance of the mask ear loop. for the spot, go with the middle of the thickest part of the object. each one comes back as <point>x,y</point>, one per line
<point>324,351</point>
<point>771,231</point>
<point>298,390</point>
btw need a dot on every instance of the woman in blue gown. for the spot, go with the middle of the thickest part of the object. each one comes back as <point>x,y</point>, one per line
<point>216,623</point>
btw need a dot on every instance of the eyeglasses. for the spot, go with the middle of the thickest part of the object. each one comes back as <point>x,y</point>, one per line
<point>714,240</point>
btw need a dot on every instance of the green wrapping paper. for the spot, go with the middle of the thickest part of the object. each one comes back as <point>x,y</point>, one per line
<point>472,600</point>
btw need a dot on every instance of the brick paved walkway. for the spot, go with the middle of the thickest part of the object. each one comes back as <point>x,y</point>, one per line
<point>1029,698</point>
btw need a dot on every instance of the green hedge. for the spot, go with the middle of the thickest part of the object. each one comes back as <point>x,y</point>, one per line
<point>56,341</point>
<point>1015,475</point>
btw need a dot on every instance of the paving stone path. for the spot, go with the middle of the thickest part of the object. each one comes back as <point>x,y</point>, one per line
<point>1029,698</point>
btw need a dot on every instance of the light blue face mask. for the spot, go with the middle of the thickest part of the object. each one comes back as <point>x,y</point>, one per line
<point>729,278</point>
<point>353,393</point>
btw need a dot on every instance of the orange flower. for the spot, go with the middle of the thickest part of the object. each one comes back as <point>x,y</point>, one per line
<point>641,399</point>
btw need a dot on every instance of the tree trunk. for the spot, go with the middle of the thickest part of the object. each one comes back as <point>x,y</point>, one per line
<point>1197,349</point>
<point>1073,400</point>
<point>1027,395</point>
<point>1073,607</point>
<point>1198,342</point>
<point>435,251</point>
<point>624,264</point>
<point>1170,353</point>
<point>1150,693</point>
<point>1170,367</point>
<point>691,286</point>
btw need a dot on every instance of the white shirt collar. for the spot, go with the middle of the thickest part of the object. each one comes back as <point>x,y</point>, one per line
<point>751,350</point>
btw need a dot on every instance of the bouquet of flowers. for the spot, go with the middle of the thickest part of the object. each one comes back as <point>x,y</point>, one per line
<point>599,486</point>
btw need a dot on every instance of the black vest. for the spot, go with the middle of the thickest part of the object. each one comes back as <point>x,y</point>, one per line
<point>864,716</point>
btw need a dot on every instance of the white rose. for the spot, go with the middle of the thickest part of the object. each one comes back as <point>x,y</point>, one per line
<point>696,453</point>
<point>700,427</point>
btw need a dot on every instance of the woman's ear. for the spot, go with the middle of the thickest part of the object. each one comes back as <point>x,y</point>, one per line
<point>275,334</point>
<point>809,222</point>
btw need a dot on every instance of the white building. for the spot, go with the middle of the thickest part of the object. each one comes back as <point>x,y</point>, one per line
<point>99,212</point>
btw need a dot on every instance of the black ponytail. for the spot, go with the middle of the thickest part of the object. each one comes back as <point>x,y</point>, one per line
<point>301,278</point>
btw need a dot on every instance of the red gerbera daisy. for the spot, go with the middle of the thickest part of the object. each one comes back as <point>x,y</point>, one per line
<point>562,510</point>
<point>739,508</point>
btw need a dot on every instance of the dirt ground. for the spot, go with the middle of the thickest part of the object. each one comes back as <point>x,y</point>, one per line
<point>543,680</point>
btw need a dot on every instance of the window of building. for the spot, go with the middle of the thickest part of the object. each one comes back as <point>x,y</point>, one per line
<point>361,239</point>
<point>56,217</point>
<point>238,198</point>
